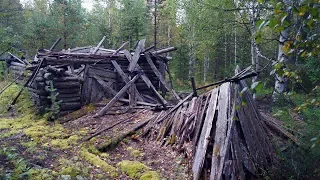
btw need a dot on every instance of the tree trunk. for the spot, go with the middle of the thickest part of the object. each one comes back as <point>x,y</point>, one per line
<point>191,51</point>
<point>205,67</point>
<point>281,81</point>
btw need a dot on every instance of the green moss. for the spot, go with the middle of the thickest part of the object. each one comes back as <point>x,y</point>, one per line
<point>73,171</point>
<point>23,103</point>
<point>99,176</point>
<point>132,168</point>
<point>96,161</point>
<point>92,149</point>
<point>150,175</point>
<point>60,143</point>
<point>30,144</point>
<point>104,155</point>
<point>40,174</point>
<point>136,153</point>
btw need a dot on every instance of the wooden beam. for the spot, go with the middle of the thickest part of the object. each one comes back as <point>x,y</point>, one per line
<point>98,46</point>
<point>161,78</point>
<point>55,44</point>
<point>136,55</point>
<point>166,50</point>
<point>146,80</point>
<point>125,78</point>
<point>117,97</point>
<point>193,87</point>
<point>15,57</point>
<point>120,48</point>
<point>106,86</point>
<point>175,107</point>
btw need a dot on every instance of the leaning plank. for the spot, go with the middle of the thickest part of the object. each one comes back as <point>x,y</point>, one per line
<point>161,78</point>
<point>140,103</point>
<point>10,84</point>
<point>98,46</point>
<point>125,78</point>
<point>174,108</point>
<point>106,86</point>
<point>136,55</point>
<point>205,136</point>
<point>20,60</point>
<point>109,127</point>
<point>221,140</point>
<point>117,97</point>
<point>146,80</point>
<point>115,141</point>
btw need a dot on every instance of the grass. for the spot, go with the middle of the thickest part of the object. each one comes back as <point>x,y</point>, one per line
<point>299,162</point>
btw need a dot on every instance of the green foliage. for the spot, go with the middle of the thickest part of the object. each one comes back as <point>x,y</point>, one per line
<point>299,162</point>
<point>132,168</point>
<point>54,109</point>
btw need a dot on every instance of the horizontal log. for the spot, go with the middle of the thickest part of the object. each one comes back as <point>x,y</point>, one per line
<point>67,99</point>
<point>103,73</point>
<point>48,76</point>
<point>74,95</point>
<point>66,84</point>
<point>39,92</point>
<point>12,63</point>
<point>64,91</point>
<point>70,106</point>
<point>64,79</point>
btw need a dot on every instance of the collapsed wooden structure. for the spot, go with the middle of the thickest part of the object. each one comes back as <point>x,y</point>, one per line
<point>80,76</point>
<point>221,132</point>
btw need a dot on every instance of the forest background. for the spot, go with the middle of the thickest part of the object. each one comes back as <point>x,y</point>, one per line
<point>279,39</point>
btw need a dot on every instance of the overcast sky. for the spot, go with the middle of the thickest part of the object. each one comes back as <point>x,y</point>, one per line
<point>85,3</point>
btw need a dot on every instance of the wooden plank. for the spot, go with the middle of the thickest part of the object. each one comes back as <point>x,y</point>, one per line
<point>126,79</point>
<point>161,78</point>
<point>117,97</point>
<point>199,122</point>
<point>205,136</point>
<point>136,55</point>
<point>146,80</point>
<point>106,86</point>
<point>222,131</point>
<point>55,44</point>
<point>174,108</point>
<point>99,45</point>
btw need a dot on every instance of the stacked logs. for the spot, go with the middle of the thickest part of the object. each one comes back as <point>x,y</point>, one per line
<point>38,92</point>
<point>66,87</point>
<point>17,70</point>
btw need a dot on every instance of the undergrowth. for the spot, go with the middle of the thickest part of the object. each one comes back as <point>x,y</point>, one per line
<point>298,161</point>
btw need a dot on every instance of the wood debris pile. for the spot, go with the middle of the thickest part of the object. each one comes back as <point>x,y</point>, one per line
<point>80,76</point>
<point>221,132</point>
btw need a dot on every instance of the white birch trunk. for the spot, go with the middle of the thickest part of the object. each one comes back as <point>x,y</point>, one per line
<point>191,51</point>
<point>281,82</point>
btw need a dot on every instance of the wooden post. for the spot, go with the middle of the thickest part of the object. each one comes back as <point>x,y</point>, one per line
<point>194,87</point>
<point>98,46</point>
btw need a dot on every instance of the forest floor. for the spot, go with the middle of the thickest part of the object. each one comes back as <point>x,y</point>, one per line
<point>33,148</point>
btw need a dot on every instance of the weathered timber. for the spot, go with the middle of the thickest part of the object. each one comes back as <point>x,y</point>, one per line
<point>55,44</point>
<point>222,132</point>
<point>117,97</point>
<point>205,136</point>
<point>125,78</point>
<point>174,108</point>
<point>136,55</point>
<point>166,50</point>
<point>147,80</point>
<point>110,127</point>
<point>161,78</point>
<point>70,105</point>
<point>12,63</point>
<point>6,87</point>
<point>115,141</point>
<point>98,46</point>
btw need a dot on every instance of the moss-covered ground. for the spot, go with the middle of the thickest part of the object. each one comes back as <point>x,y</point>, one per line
<point>33,148</point>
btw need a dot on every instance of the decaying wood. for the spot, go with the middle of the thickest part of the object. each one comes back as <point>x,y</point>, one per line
<point>115,141</point>
<point>110,127</point>
<point>55,44</point>
<point>166,50</point>
<point>117,97</point>
<point>98,46</point>
<point>205,135</point>
<point>161,78</point>
<point>136,55</point>
<point>175,107</point>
